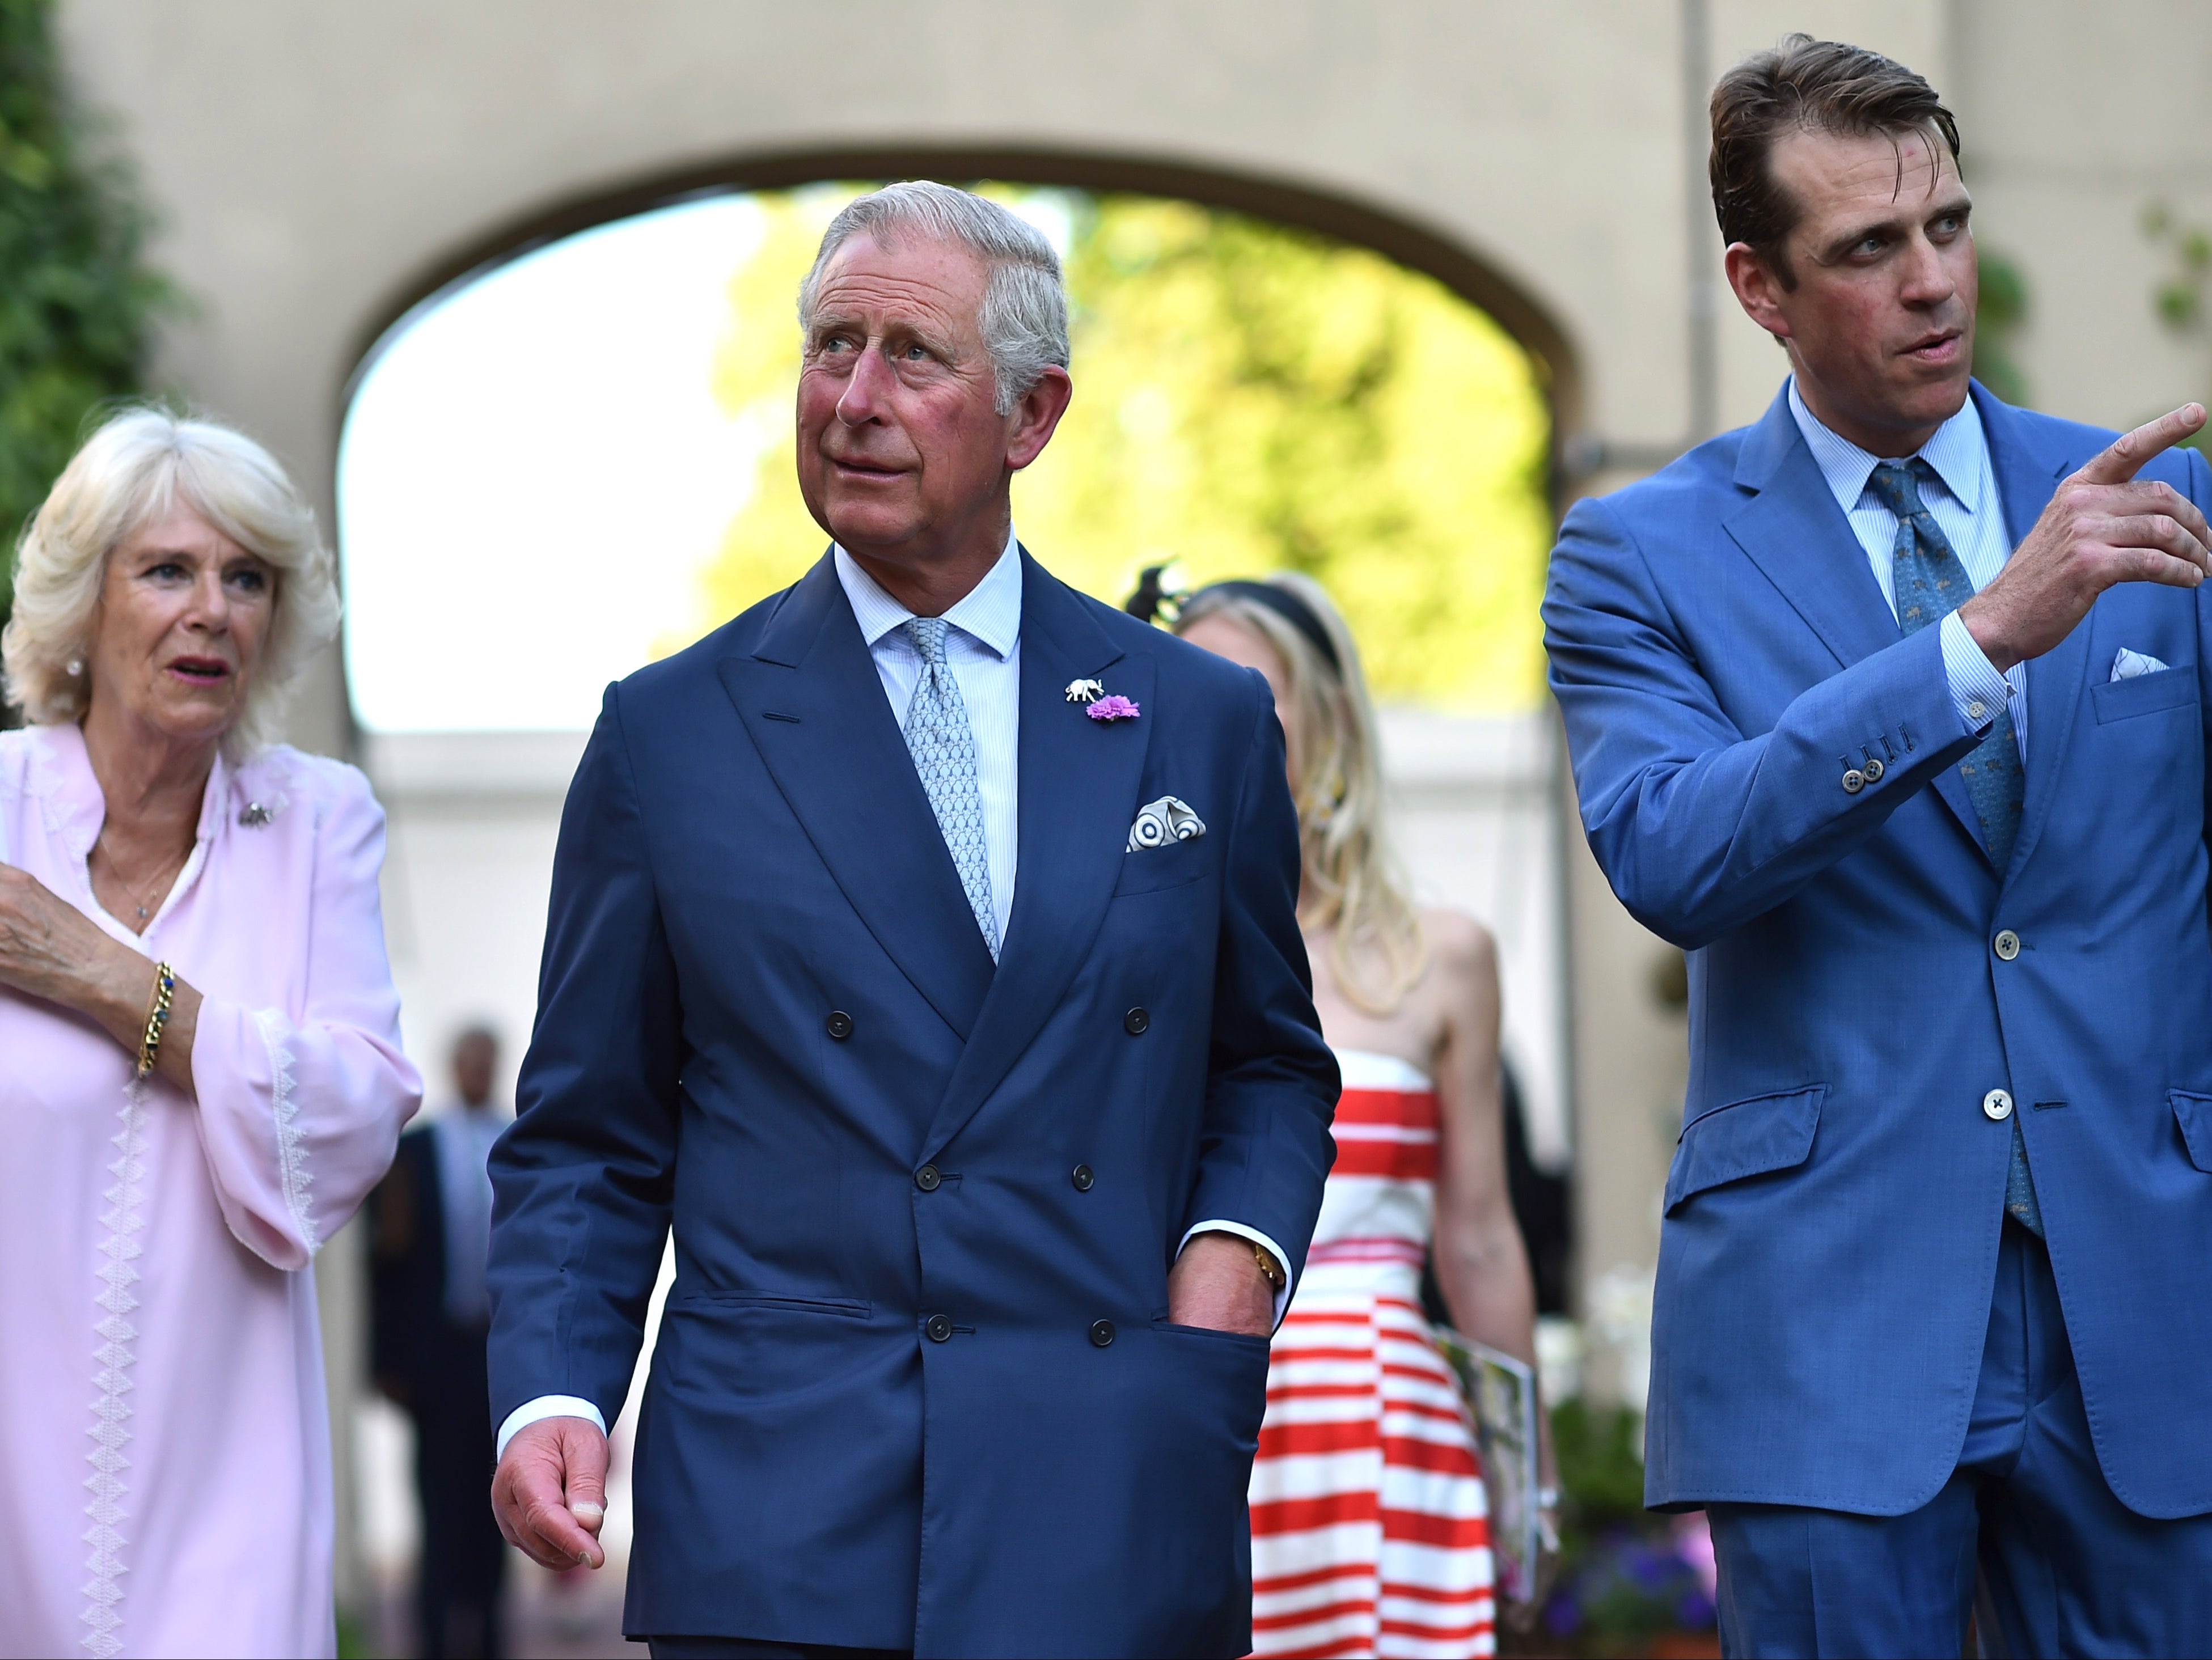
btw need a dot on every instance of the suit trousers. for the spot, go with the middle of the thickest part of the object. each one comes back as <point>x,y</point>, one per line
<point>2063,1567</point>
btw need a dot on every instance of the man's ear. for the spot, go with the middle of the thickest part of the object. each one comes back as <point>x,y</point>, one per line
<point>1030,426</point>
<point>1758,290</point>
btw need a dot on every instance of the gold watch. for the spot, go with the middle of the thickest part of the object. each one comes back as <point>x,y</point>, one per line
<point>1269,1268</point>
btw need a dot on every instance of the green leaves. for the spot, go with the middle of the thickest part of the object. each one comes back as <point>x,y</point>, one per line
<point>77,304</point>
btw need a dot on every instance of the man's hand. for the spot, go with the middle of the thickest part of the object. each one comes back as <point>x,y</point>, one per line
<point>1216,1283</point>
<point>551,1491</point>
<point>2103,526</point>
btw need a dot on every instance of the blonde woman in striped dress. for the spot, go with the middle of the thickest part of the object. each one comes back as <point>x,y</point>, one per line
<point>1369,1527</point>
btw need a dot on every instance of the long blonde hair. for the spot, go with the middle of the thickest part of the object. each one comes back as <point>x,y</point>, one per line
<point>1352,885</point>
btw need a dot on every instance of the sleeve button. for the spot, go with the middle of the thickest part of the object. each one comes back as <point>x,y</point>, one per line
<point>1854,782</point>
<point>1873,769</point>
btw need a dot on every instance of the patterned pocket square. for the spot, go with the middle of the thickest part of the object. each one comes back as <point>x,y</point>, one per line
<point>2129,664</point>
<point>1161,821</point>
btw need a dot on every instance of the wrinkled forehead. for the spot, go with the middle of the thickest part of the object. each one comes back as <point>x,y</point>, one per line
<point>896,274</point>
<point>1861,173</point>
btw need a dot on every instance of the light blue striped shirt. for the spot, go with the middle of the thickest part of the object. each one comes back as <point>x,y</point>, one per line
<point>983,647</point>
<point>1968,506</point>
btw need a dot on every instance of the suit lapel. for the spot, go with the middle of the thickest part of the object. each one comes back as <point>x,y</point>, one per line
<point>1823,575</point>
<point>810,697</point>
<point>2028,477</point>
<point>1078,782</point>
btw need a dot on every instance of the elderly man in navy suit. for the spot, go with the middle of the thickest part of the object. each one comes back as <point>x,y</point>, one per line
<point>1890,710</point>
<point>924,954</point>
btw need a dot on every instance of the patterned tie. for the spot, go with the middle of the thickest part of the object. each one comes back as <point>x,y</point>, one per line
<point>943,748</point>
<point>1931,584</point>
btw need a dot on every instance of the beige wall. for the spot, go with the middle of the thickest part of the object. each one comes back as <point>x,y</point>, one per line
<point>313,161</point>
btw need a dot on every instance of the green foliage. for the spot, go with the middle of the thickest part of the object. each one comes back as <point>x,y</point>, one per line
<point>1600,1468</point>
<point>1998,313</point>
<point>77,304</point>
<point>1248,399</point>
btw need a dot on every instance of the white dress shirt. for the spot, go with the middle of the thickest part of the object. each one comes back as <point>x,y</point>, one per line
<point>983,647</point>
<point>1965,504</point>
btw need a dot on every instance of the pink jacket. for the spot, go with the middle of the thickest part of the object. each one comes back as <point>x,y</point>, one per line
<point>167,1482</point>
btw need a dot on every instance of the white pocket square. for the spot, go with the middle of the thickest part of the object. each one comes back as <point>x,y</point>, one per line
<point>1161,821</point>
<point>2129,664</point>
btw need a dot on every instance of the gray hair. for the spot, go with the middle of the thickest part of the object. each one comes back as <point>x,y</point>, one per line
<point>129,474</point>
<point>1023,318</point>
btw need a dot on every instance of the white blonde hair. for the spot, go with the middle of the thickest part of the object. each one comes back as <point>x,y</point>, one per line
<point>1352,883</point>
<point>1023,318</point>
<point>129,474</point>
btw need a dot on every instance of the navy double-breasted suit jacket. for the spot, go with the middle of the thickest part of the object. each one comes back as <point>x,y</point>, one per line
<point>1728,665</point>
<point>950,1412</point>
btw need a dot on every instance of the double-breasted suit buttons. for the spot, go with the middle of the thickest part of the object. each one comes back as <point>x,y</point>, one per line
<point>1082,1177</point>
<point>2007,945</point>
<point>839,1025</point>
<point>939,1328</point>
<point>1101,1333</point>
<point>1996,1105</point>
<point>1135,1021</point>
<point>927,1179</point>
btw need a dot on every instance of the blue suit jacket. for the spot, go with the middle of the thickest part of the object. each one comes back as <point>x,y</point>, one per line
<point>747,851</point>
<point>1723,655</point>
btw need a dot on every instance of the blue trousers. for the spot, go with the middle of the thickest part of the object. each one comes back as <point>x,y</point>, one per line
<point>2063,1567</point>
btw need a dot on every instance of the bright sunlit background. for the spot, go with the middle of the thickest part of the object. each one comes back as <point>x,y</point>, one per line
<point>556,470</point>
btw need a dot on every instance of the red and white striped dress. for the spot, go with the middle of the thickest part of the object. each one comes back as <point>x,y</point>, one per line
<point>1371,1533</point>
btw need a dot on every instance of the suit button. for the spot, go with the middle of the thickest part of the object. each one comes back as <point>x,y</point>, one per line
<point>1854,782</point>
<point>839,1025</point>
<point>2008,946</point>
<point>1996,1105</point>
<point>1873,770</point>
<point>1135,1021</point>
<point>927,1179</point>
<point>1082,1177</point>
<point>1101,1333</point>
<point>939,1328</point>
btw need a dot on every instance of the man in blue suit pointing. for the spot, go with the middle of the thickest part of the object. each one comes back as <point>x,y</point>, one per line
<point>924,956</point>
<point>1891,711</point>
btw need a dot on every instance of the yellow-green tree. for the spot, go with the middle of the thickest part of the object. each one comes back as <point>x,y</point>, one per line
<point>1249,398</point>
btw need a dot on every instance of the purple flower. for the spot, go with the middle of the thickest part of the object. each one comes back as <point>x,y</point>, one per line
<point>1116,707</point>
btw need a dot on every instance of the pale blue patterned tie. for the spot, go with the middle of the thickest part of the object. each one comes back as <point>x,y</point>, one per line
<point>943,748</point>
<point>1931,584</point>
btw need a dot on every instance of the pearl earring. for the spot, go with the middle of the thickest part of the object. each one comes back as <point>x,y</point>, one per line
<point>75,667</point>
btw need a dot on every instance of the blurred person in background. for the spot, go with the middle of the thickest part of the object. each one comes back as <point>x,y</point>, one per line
<point>1369,1527</point>
<point>430,1233</point>
<point>202,1074</point>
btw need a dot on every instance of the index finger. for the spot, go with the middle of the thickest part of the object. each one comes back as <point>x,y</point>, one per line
<point>2128,453</point>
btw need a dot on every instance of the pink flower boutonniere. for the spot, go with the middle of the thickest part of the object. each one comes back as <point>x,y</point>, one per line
<point>1116,707</point>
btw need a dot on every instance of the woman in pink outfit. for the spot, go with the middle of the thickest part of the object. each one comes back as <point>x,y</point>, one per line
<point>200,1069</point>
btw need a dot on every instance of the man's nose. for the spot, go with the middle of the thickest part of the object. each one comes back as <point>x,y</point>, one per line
<point>862,399</point>
<point>1928,280</point>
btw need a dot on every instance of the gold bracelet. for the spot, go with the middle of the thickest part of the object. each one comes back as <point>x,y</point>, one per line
<point>165,991</point>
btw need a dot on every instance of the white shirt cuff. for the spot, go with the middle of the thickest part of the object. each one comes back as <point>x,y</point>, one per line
<point>547,1406</point>
<point>1282,1296</point>
<point>1977,691</point>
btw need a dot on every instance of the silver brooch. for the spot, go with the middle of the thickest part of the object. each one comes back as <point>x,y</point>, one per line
<point>1084,691</point>
<point>254,816</point>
